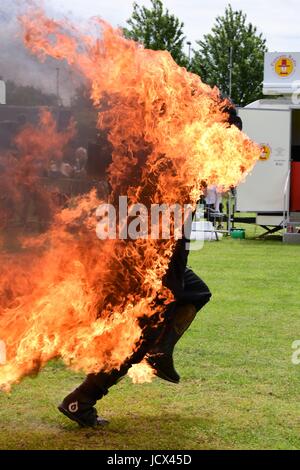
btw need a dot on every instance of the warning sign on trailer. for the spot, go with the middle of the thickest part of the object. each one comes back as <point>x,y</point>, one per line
<point>281,73</point>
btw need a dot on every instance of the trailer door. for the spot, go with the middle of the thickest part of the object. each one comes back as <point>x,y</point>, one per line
<point>263,189</point>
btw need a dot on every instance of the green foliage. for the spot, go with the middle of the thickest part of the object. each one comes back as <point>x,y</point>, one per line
<point>157,29</point>
<point>211,60</point>
<point>19,95</point>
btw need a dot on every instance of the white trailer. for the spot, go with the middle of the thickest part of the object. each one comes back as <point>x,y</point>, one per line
<point>272,189</point>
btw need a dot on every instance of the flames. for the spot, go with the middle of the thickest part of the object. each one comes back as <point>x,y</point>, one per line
<point>69,294</point>
<point>34,148</point>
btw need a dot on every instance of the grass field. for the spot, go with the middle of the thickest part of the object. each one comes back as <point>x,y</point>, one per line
<point>239,388</point>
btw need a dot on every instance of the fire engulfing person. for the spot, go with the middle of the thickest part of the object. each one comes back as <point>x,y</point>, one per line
<point>104,305</point>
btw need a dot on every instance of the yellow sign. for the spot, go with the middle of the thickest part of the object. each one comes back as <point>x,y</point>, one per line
<point>284,66</point>
<point>265,152</point>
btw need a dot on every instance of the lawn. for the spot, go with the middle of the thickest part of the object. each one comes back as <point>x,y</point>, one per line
<point>239,388</point>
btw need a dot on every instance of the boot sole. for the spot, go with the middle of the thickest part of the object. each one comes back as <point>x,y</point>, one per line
<point>78,420</point>
<point>161,375</point>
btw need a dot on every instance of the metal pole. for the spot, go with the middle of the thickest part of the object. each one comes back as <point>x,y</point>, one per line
<point>229,214</point>
<point>57,85</point>
<point>230,70</point>
<point>189,44</point>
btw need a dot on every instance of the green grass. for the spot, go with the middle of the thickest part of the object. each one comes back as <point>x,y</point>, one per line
<point>239,389</point>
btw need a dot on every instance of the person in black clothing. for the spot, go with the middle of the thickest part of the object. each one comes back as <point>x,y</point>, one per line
<point>157,344</point>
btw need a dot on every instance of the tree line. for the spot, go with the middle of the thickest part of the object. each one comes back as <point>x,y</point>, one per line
<point>232,48</point>
<point>233,43</point>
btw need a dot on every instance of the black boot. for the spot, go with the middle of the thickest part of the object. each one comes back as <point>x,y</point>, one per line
<point>79,404</point>
<point>195,295</point>
<point>163,366</point>
<point>160,358</point>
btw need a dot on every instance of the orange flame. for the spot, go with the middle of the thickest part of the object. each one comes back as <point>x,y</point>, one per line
<point>141,373</point>
<point>80,298</point>
<point>34,146</point>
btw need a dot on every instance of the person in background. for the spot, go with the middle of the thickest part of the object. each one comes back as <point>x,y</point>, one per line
<point>66,170</point>
<point>53,171</point>
<point>211,197</point>
<point>80,162</point>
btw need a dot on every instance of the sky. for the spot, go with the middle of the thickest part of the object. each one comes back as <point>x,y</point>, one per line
<point>278,20</point>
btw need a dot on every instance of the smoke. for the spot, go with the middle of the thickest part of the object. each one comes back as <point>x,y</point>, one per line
<point>17,64</point>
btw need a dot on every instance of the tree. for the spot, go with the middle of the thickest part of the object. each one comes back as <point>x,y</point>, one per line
<point>85,115</point>
<point>212,59</point>
<point>157,29</point>
<point>20,95</point>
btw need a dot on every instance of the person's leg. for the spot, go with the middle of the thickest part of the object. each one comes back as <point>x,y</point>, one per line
<point>195,295</point>
<point>79,404</point>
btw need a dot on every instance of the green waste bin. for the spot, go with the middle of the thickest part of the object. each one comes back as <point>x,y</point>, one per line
<point>238,233</point>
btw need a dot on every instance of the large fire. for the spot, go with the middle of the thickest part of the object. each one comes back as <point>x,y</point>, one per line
<point>22,166</point>
<point>68,294</point>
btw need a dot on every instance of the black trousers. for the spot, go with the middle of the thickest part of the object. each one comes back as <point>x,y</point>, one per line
<point>194,291</point>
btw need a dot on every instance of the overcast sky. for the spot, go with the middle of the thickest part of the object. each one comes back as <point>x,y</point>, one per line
<point>278,20</point>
